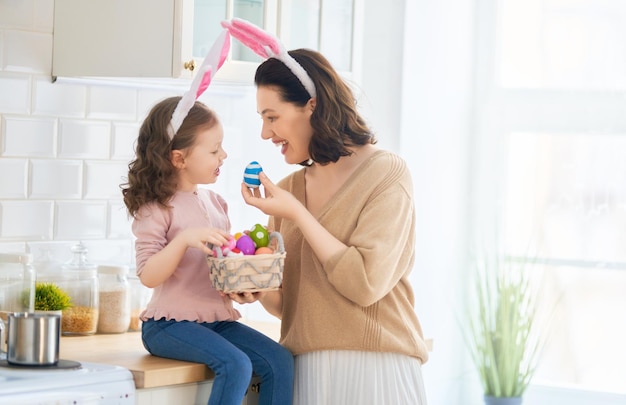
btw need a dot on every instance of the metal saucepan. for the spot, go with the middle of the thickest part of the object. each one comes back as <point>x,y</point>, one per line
<point>33,338</point>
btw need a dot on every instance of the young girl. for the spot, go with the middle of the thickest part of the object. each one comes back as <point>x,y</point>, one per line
<point>173,221</point>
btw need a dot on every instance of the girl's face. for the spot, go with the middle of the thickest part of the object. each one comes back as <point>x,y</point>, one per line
<point>200,164</point>
<point>285,124</point>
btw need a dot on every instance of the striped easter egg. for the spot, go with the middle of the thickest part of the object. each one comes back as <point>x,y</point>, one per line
<point>251,174</point>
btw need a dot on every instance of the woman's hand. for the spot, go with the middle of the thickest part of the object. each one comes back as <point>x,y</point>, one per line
<point>272,301</point>
<point>246,297</point>
<point>275,201</point>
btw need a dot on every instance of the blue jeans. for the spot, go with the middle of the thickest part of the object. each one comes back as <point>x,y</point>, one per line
<point>233,351</point>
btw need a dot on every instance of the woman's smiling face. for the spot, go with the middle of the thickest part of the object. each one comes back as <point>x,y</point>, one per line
<point>285,124</point>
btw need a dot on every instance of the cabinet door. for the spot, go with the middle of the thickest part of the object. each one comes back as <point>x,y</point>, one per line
<point>121,38</point>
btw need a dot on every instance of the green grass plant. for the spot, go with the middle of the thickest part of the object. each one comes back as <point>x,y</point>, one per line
<point>501,331</point>
<point>50,297</point>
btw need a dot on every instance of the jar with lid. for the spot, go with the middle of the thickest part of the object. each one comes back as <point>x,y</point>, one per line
<point>139,297</point>
<point>80,281</point>
<point>114,300</point>
<point>17,283</point>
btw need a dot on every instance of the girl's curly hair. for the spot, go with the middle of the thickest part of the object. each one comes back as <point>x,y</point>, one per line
<point>336,122</point>
<point>151,175</point>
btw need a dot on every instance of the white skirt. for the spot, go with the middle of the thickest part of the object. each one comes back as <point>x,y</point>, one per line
<point>357,378</point>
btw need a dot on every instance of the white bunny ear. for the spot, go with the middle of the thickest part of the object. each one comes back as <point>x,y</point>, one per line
<point>266,46</point>
<point>210,65</point>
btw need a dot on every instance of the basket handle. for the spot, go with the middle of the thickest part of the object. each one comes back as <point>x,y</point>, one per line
<point>273,235</point>
<point>279,238</point>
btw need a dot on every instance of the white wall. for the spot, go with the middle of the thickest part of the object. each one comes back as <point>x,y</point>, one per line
<point>436,131</point>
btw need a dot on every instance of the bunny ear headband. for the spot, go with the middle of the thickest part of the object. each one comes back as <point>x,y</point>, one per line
<point>267,46</point>
<point>212,62</point>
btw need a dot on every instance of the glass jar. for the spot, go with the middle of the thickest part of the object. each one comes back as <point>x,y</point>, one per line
<point>139,297</point>
<point>47,271</point>
<point>17,283</point>
<point>114,299</point>
<point>80,281</point>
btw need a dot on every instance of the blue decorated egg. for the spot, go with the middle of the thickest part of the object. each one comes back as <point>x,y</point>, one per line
<point>251,174</point>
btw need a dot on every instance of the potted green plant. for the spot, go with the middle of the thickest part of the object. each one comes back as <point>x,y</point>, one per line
<point>501,327</point>
<point>51,297</point>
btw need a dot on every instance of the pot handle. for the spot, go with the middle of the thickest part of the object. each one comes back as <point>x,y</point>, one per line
<point>3,337</point>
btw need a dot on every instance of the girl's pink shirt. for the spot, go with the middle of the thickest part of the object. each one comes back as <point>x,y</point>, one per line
<point>188,293</point>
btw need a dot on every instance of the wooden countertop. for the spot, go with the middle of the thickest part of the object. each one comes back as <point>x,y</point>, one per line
<point>126,350</point>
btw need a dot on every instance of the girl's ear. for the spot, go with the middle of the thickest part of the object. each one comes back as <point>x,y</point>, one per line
<point>177,158</point>
<point>312,102</point>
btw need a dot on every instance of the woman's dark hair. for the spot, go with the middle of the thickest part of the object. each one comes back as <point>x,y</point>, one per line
<point>336,122</point>
<point>151,175</point>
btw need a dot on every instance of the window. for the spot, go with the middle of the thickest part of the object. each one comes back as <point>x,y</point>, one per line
<point>551,162</point>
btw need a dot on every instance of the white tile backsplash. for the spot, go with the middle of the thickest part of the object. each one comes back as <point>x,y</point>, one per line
<point>13,247</point>
<point>103,179</point>
<point>81,220</point>
<point>13,178</point>
<point>124,137</point>
<point>58,99</point>
<point>84,139</point>
<point>114,103</point>
<point>15,95</point>
<point>53,179</point>
<point>147,98</point>
<point>51,253</point>
<point>27,51</point>
<point>119,222</point>
<point>110,251</point>
<point>26,220</point>
<point>28,137</point>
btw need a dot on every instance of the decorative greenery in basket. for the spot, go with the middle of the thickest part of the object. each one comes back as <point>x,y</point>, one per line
<point>50,297</point>
<point>262,272</point>
<point>501,328</point>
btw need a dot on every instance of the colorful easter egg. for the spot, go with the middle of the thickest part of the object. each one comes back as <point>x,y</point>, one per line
<point>246,245</point>
<point>264,251</point>
<point>251,174</point>
<point>259,235</point>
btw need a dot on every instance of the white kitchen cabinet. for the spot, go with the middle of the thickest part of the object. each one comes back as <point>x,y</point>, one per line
<point>140,38</point>
<point>166,38</point>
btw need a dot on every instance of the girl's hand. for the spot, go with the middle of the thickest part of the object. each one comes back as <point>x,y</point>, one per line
<point>201,237</point>
<point>275,202</point>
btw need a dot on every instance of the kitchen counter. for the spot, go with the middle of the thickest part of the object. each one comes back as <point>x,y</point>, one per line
<point>126,350</point>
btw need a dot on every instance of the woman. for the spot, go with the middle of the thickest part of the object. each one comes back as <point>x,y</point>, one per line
<point>348,222</point>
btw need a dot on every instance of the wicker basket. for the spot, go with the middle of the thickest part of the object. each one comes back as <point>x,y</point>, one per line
<point>248,273</point>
